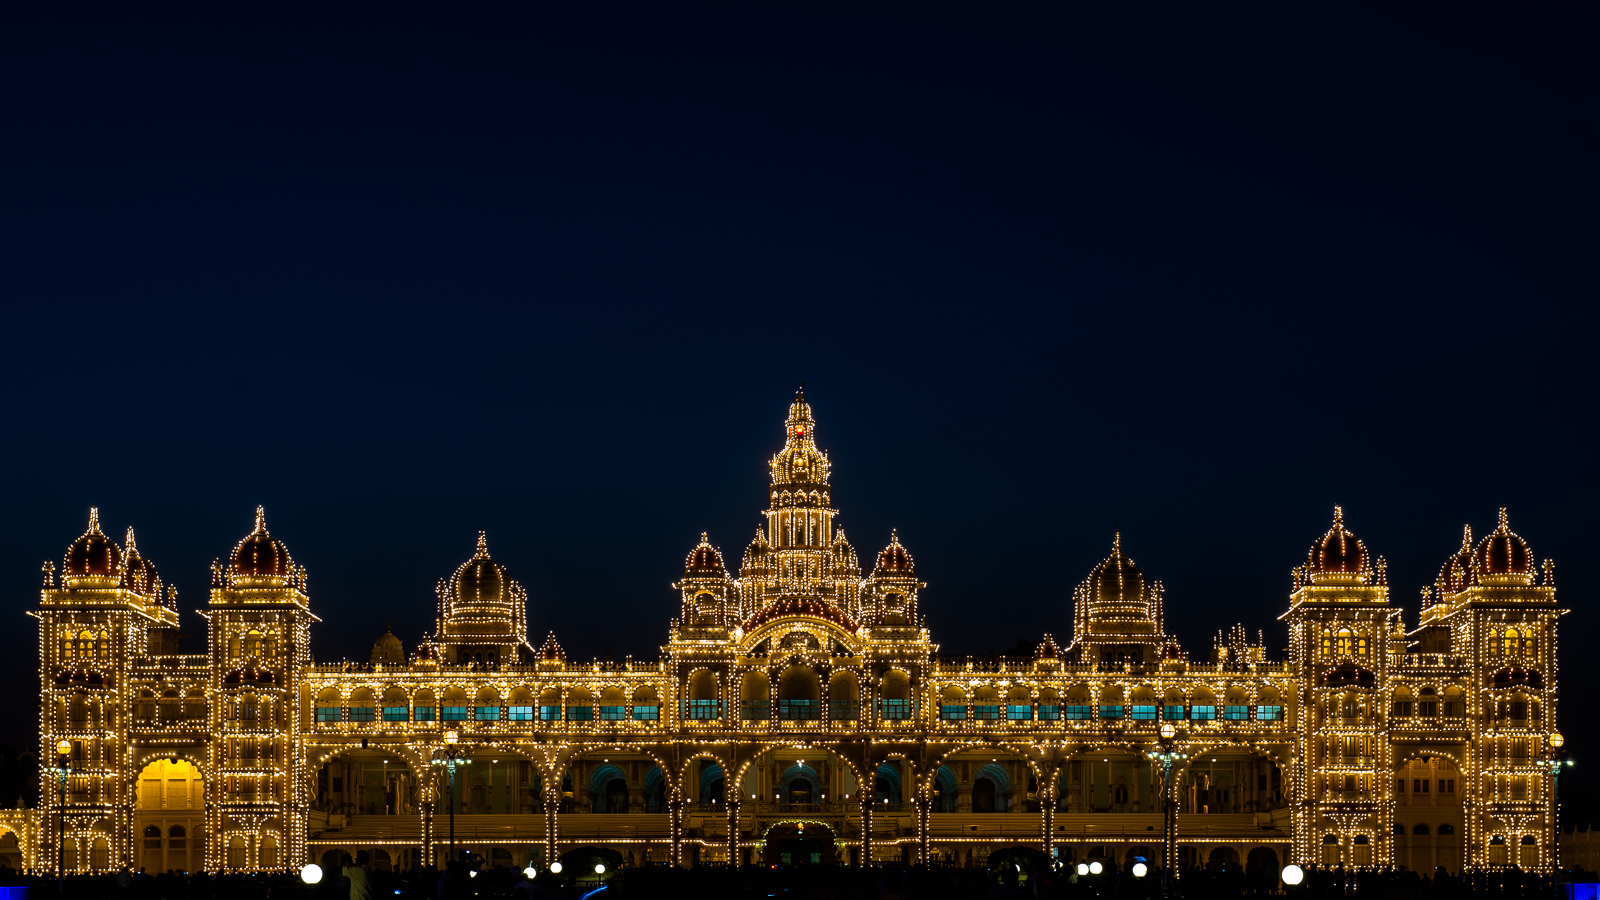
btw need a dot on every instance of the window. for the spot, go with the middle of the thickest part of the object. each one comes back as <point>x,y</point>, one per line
<point>612,713</point>
<point>549,713</point>
<point>422,713</point>
<point>1234,713</point>
<point>646,713</point>
<point>701,710</point>
<point>1019,712</point>
<point>1419,785</point>
<point>986,711</point>
<point>362,714</point>
<point>1203,713</point>
<point>1143,713</point>
<point>1269,713</point>
<point>487,713</point>
<point>1051,711</point>
<point>894,710</point>
<point>329,713</point>
<point>1172,712</point>
<point>798,710</point>
<point>452,713</point>
<point>1399,785</point>
<point>1452,707</point>
<point>1447,786</point>
<point>1447,829</point>
<point>1428,707</point>
<point>584,713</point>
<point>1401,708</point>
<point>845,710</point>
<point>1111,712</point>
<point>394,713</point>
<point>519,713</point>
<point>953,712</point>
<point>1080,711</point>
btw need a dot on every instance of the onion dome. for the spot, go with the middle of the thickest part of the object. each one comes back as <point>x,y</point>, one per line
<point>260,555</point>
<point>86,678</point>
<point>800,462</point>
<point>1456,573</point>
<point>481,602</point>
<point>427,653</point>
<point>138,573</point>
<point>1503,552</point>
<point>1339,552</point>
<point>1117,588</point>
<point>844,561</point>
<point>894,560</point>
<point>757,556</point>
<point>801,606</point>
<point>704,561</point>
<point>387,649</point>
<point>551,651</point>
<point>93,554</point>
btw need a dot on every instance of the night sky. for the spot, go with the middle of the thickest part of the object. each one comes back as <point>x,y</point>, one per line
<point>402,274</point>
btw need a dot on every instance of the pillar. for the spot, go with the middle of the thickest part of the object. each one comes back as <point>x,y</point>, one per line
<point>924,810</point>
<point>427,834</point>
<point>1048,807</point>
<point>866,827</point>
<point>675,810</point>
<point>733,830</point>
<point>552,810</point>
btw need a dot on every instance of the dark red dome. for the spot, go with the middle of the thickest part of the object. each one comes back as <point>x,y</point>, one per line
<point>1339,551</point>
<point>1047,649</point>
<point>801,606</point>
<point>1456,573</point>
<point>1503,552</point>
<point>93,553</point>
<point>138,573</point>
<point>894,560</point>
<point>704,559</point>
<point>260,553</point>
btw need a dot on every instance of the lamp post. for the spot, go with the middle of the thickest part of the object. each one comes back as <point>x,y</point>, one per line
<point>1166,756</point>
<point>451,756</point>
<point>61,770</point>
<point>1555,760</point>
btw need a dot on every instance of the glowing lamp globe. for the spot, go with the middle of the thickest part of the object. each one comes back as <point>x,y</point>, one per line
<point>311,873</point>
<point>1556,740</point>
<point>473,873</point>
<point>1140,870</point>
<point>556,867</point>
<point>64,747</point>
<point>1083,869</point>
<point>1095,868</point>
<point>599,868</point>
<point>1168,731</point>
<point>1293,874</point>
<point>530,873</point>
<point>451,737</point>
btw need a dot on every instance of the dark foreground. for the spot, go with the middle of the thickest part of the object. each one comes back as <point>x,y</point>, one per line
<point>803,883</point>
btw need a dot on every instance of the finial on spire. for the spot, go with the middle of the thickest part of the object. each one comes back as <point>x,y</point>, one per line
<point>1466,537</point>
<point>131,546</point>
<point>483,544</point>
<point>94,520</point>
<point>1116,542</point>
<point>261,519</point>
<point>705,537</point>
<point>1505,523</point>
<point>801,394</point>
<point>1338,517</point>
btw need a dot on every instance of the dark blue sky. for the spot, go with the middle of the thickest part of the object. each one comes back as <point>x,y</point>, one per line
<point>402,274</point>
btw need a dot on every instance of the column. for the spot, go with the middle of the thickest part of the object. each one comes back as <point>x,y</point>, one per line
<point>924,809</point>
<point>675,829</point>
<point>427,833</point>
<point>733,829</point>
<point>552,809</point>
<point>866,826</point>
<point>1048,806</point>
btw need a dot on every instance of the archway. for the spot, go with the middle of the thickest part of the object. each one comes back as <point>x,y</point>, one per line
<point>800,844</point>
<point>371,782</point>
<point>1228,780</point>
<point>800,785</point>
<point>945,794</point>
<point>608,789</point>
<point>886,784</point>
<point>169,816</point>
<point>990,788</point>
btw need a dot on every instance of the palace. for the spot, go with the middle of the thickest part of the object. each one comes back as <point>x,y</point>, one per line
<point>799,712</point>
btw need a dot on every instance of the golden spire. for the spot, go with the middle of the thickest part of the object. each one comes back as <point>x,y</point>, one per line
<point>261,520</point>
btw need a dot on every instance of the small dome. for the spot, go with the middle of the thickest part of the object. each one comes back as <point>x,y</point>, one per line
<point>1456,573</point>
<point>93,553</point>
<point>704,561</point>
<point>427,653</point>
<point>1339,552</point>
<point>260,554</point>
<point>1047,649</point>
<point>480,580</point>
<point>893,559</point>
<point>801,606</point>
<point>1117,587</point>
<point>757,555</point>
<point>387,649</point>
<point>1503,552</point>
<point>138,573</point>
<point>551,651</point>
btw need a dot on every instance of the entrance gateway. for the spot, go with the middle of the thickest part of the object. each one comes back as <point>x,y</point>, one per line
<point>801,844</point>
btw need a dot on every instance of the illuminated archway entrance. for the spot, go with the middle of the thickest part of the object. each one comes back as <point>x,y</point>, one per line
<point>800,844</point>
<point>169,817</point>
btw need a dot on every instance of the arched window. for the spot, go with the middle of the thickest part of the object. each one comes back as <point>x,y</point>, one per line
<point>1346,642</point>
<point>1511,642</point>
<point>252,643</point>
<point>1420,828</point>
<point>103,646</point>
<point>1446,829</point>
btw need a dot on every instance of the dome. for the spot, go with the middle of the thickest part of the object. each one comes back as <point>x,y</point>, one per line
<point>551,651</point>
<point>1117,588</point>
<point>1339,552</point>
<point>138,573</point>
<point>800,461</point>
<point>480,580</point>
<point>92,554</point>
<point>387,649</point>
<point>1047,649</point>
<point>894,560</point>
<point>260,554</point>
<point>704,561</point>
<point>1456,573</point>
<point>1503,552</point>
<point>481,600</point>
<point>427,653</point>
<point>801,606</point>
<point>756,556</point>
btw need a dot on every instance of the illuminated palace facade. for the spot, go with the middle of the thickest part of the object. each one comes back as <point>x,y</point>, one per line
<point>798,712</point>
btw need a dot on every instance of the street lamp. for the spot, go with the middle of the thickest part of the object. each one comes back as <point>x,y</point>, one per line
<point>1556,760</point>
<point>451,756</point>
<point>61,770</point>
<point>1166,756</point>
